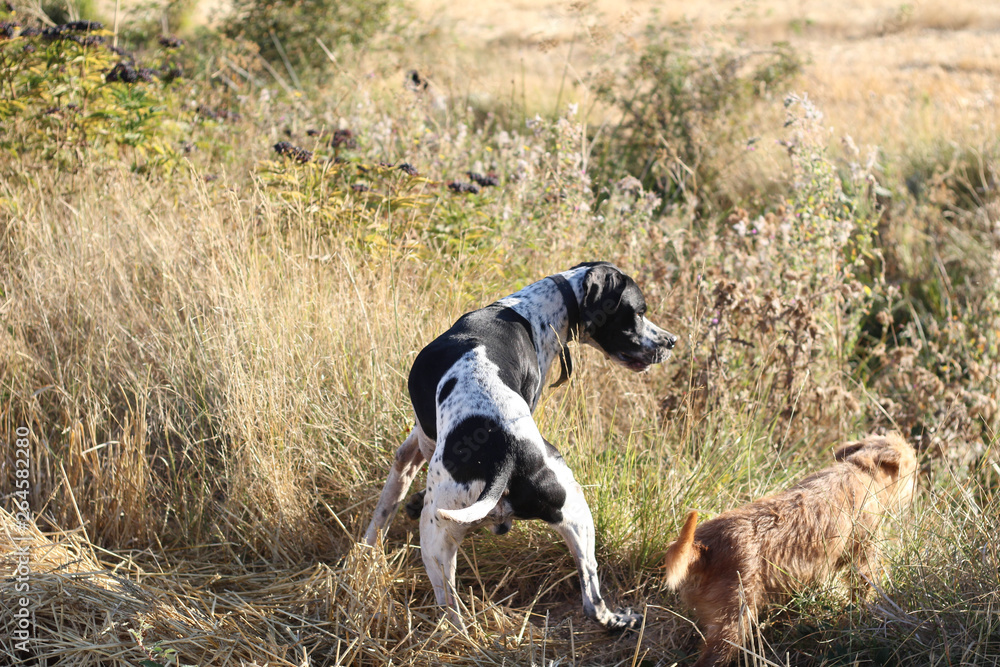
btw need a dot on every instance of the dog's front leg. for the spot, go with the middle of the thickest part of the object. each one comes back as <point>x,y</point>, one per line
<point>577,528</point>
<point>409,459</point>
<point>722,642</point>
<point>439,540</point>
<point>864,575</point>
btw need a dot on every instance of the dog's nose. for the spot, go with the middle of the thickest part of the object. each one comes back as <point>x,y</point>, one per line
<point>671,341</point>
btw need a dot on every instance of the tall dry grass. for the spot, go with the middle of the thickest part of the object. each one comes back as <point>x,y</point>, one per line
<point>211,361</point>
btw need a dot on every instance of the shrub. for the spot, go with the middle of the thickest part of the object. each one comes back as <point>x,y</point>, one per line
<point>935,353</point>
<point>289,31</point>
<point>366,204</point>
<point>64,11</point>
<point>680,103</point>
<point>66,95</point>
<point>782,295</point>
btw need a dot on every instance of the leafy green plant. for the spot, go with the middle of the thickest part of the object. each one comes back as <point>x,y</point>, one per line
<point>784,297</point>
<point>679,103</point>
<point>366,203</point>
<point>66,96</point>
<point>290,31</point>
<point>158,654</point>
<point>376,206</point>
<point>64,11</point>
<point>935,353</point>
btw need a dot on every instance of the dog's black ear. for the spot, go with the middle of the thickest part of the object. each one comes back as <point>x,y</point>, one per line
<point>602,291</point>
<point>847,450</point>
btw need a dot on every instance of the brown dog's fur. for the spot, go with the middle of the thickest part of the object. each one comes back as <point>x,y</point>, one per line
<point>782,542</point>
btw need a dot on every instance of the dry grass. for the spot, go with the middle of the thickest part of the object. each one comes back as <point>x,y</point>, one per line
<point>89,612</point>
<point>212,364</point>
<point>220,459</point>
<point>888,73</point>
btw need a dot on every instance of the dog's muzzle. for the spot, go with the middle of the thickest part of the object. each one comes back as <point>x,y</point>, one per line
<point>653,352</point>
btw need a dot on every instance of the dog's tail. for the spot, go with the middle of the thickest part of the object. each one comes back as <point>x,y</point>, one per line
<point>488,499</point>
<point>681,553</point>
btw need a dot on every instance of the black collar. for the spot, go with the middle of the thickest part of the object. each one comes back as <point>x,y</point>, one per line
<point>573,326</point>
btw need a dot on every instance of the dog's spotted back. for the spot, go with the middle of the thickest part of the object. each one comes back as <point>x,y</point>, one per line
<point>474,389</point>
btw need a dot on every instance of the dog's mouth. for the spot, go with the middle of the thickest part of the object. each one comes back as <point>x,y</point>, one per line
<point>641,361</point>
<point>634,362</point>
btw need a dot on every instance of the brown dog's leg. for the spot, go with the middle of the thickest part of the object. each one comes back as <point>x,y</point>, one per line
<point>718,651</point>
<point>728,622</point>
<point>863,574</point>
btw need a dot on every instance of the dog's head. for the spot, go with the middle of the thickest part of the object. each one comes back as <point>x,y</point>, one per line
<point>891,462</point>
<point>613,319</point>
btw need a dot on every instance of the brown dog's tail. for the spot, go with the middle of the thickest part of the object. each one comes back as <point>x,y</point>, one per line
<point>681,553</point>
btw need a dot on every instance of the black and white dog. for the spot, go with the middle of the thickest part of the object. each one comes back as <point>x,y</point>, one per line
<point>474,389</point>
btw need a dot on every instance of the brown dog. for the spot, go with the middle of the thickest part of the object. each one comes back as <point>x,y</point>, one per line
<point>745,556</point>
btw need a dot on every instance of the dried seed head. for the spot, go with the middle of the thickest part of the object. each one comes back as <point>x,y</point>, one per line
<point>293,152</point>
<point>59,31</point>
<point>408,168</point>
<point>343,139</point>
<point>463,188</point>
<point>82,26</point>
<point>122,72</point>
<point>415,82</point>
<point>487,181</point>
<point>172,73</point>
<point>170,42</point>
<point>89,40</point>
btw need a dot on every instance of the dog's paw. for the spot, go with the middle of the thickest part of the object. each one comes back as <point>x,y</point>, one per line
<point>415,505</point>
<point>624,620</point>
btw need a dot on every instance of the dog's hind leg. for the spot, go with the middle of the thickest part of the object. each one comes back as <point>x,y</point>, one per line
<point>577,528</point>
<point>409,460</point>
<point>439,540</point>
